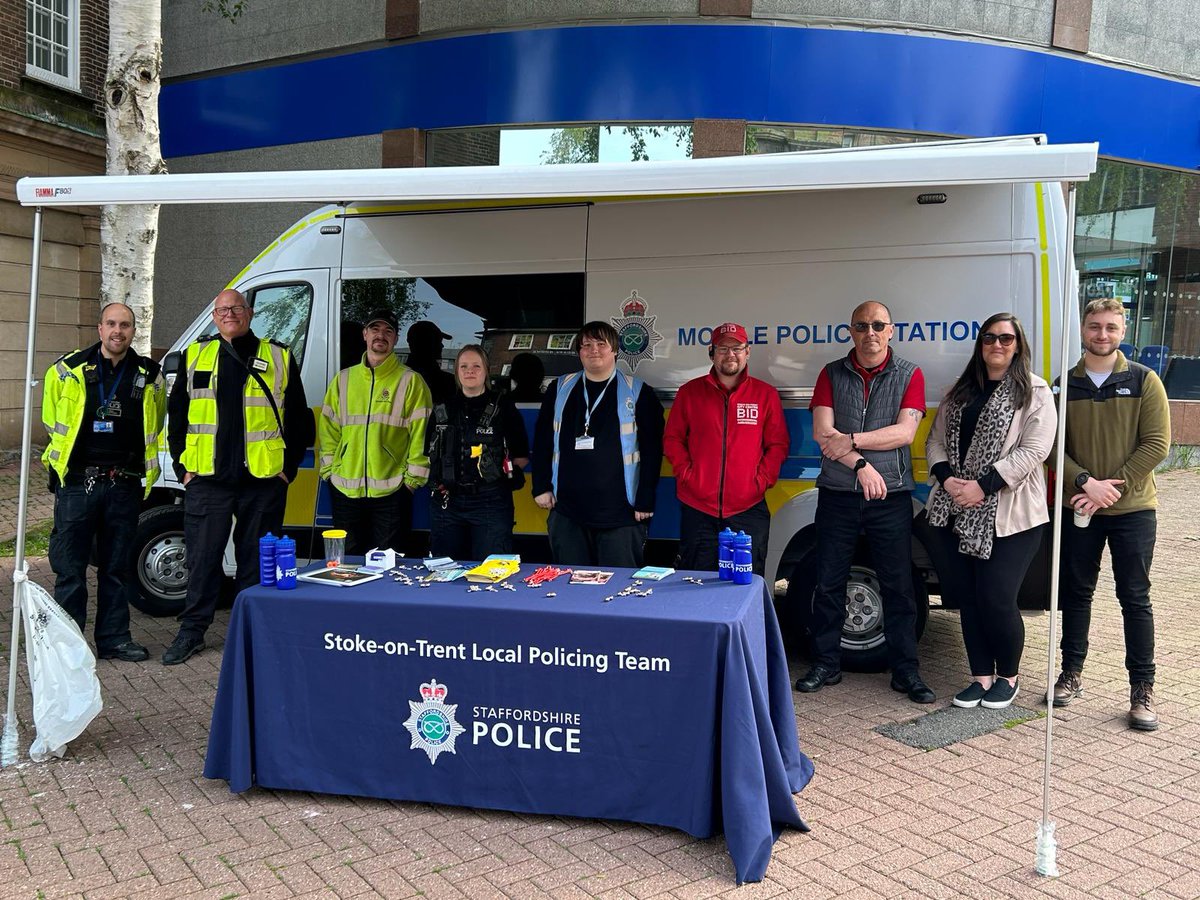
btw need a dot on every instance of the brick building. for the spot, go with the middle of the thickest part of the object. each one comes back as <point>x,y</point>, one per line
<point>53,55</point>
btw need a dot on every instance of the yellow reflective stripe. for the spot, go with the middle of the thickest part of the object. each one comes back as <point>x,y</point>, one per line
<point>152,439</point>
<point>419,471</point>
<point>384,484</point>
<point>54,455</point>
<point>341,482</point>
<point>269,434</point>
<point>259,401</point>
<point>62,428</point>
<point>327,412</point>
<point>195,428</point>
<point>326,459</point>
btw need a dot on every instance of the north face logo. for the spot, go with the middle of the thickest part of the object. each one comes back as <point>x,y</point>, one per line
<point>1123,392</point>
<point>747,413</point>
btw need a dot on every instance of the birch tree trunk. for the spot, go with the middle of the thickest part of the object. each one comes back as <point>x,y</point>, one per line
<point>129,234</point>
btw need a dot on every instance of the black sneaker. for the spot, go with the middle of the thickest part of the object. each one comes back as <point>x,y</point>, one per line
<point>969,697</point>
<point>130,651</point>
<point>1000,694</point>
<point>183,648</point>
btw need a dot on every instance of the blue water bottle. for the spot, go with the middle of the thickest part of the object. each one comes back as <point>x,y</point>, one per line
<point>266,559</point>
<point>725,555</point>
<point>285,563</point>
<point>743,559</point>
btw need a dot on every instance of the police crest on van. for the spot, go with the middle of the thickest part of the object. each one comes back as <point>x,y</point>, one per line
<point>636,337</point>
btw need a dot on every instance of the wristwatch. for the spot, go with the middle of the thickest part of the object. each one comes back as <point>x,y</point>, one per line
<point>1081,479</point>
<point>861,464</point>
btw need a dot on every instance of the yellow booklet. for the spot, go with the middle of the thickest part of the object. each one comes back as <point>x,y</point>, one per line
<point>495,568</point>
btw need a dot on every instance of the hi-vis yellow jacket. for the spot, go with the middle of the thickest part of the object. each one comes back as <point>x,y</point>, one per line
<point>371,433</point>
<point>264,439</point>
<point>64,399</point>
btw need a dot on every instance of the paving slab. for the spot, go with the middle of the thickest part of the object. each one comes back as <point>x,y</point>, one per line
<point>128,812</point>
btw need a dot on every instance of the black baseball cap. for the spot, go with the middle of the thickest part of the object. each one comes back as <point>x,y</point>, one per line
<point>386,316</point>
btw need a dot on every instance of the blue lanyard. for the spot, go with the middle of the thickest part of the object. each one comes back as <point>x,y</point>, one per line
<point>105,397</point>
<point>588,410</point>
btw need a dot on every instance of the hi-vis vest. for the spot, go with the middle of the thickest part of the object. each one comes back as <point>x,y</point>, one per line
<point>628,389</point>
<point>64,401</point>
<point>372,430</point>
<point>264,440</point>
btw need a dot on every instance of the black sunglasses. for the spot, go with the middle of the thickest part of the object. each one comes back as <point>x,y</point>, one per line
<point>1004,339</point>
<point>860,327</point>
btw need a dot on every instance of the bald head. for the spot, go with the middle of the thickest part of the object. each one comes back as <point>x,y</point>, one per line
<point>871,329</point>
<point>232,314</point>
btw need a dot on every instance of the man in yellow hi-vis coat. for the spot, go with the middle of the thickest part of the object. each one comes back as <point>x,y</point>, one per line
<point>103,409</point>
<point>238,429</point>
<point>372,441</point>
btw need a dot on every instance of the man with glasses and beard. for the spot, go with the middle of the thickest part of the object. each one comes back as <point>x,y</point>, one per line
<point>238,427</point>
<point>866,408</point>
<point>727,440</point>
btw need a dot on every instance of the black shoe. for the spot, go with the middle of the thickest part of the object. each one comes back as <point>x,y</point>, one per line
<point>969,697</point>
<point>183,648</point>
<point>130,651</point>
<point>817,678</point>
<point>917,690</point>
<point>1000,694</point>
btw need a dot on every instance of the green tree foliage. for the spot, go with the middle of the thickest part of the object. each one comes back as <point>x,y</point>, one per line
<point>581,144</point>
<point>360,298</point>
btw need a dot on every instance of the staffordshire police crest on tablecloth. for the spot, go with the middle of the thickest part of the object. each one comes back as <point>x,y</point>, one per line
<point>432,723</point>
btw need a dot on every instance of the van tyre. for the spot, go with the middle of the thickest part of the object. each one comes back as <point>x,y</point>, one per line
<point>864,648</point>
<point>160,562</point>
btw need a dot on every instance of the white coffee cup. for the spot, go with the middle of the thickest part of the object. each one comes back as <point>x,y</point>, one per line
<point>1082,519</point>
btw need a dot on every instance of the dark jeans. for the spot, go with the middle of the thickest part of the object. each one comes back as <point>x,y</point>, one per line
<point>572,544</point>
<point>985,591</point>
<point>371,522</point>
<point>253,506</point>
<point>472,526</point>
<point>698,544</point>
<point>841,517</point>
<point>1130,540</point>
<point>109,514</point>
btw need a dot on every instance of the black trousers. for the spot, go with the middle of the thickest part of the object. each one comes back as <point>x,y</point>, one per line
<point>107,514</point>
<point>252,506</point>
<point>371,522</point>
<point>1130,538</point>
<point>573,544</point>
<point>841,517</point>
<point>698,544</point>
<point>472,526</point>
<point>985,591</point>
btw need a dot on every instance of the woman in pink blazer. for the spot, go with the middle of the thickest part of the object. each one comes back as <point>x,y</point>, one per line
<point>992,433</point>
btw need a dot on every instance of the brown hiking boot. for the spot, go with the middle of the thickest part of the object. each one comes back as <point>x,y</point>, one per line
<point>1142,716</point>
<point>1068,687</point>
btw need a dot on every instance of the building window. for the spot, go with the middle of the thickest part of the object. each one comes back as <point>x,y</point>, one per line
<point>790,138</point>
<point>52,42</point>
<point>551,145</point>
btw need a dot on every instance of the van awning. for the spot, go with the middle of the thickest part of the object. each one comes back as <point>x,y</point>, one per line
<point>942,163</point>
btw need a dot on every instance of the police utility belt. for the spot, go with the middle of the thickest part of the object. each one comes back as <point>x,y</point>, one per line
<point>92,474</point>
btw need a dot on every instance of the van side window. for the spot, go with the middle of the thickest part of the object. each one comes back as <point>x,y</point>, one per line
<point>281,313</point>
<point>507,314</point>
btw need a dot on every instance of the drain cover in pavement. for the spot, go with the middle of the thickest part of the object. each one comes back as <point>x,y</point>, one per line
<point>950,725</point>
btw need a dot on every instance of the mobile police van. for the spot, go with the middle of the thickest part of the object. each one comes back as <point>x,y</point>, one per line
<point>943,233</point>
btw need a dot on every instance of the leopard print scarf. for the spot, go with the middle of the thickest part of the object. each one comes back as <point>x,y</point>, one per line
<point>976,527</point>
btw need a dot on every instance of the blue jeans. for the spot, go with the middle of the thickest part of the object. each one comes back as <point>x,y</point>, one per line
<point>107,514</point>
<point>471,526</point>
<point>1130,539</point>
<point>887,524</point>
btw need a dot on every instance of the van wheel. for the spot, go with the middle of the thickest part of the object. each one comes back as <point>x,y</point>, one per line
<point>864,648</point>
<point>160,562</point>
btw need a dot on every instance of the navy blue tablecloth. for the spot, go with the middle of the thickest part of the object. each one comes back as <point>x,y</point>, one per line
<point>673,709</point>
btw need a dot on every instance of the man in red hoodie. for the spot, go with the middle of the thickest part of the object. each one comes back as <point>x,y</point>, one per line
<point>726,439</point>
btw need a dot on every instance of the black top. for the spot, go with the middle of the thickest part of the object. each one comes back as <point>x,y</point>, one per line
<point>124,446</point>
<point>465,412</point>
<point>990,482</point>
<point>591,483</point>
<point>299,429</point>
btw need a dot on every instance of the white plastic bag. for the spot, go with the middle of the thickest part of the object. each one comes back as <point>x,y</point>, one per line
<point>62,673</point>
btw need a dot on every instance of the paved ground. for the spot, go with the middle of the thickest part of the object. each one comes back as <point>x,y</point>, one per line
<point>129,813</point>
<point>41,501</point>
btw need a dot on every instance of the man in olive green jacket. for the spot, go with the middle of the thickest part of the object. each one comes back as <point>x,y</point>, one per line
<point>1118,430</point>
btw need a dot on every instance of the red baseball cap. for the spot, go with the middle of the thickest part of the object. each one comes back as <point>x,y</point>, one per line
<point>729,331</point>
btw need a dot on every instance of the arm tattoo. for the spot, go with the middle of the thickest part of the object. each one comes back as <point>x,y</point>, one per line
<point>915,413</point>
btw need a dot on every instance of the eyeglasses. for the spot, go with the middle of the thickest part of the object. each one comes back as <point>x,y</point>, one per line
<point>861,327</point>
<point>226,311</point>
<point>729,350</point>
<point>593,345</point>
<point>1005,340</point>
